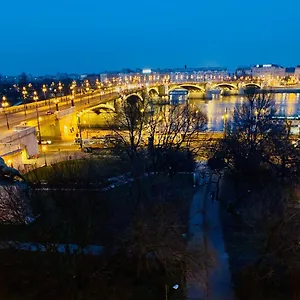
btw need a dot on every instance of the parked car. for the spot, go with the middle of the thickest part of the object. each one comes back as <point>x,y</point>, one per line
<point>49,112</point>
<point>45,142</point>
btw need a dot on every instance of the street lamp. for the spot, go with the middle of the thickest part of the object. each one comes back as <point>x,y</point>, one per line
<point>44,89</point>
<point>24,93</point>
<point>60,88</point>
<point>44,148</point>
<point>87,88</point>
<point>5,105</point>
<point>79,129</point>
<point>72,87</point>
<point>55,100</point>
<point>36,98</point>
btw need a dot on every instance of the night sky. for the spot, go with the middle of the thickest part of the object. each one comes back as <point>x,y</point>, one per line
<point>42,37</point>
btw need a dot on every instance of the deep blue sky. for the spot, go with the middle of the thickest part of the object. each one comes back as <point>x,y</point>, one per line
<point>79,36</point>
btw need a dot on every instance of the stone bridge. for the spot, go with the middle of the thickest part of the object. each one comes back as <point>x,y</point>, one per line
<point>196,89</point>
<point>20,144</point>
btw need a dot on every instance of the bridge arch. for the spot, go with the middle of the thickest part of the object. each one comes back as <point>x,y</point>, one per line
<point>133,97</point>
<point>251,84</point>
<point>225,85</point>
<point>153,91</point>
<point>188,87</point>
<point>103,106</point>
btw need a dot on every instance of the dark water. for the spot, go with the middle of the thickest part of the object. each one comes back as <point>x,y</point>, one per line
<point>286,105</point>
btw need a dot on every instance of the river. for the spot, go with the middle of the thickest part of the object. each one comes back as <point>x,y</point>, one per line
<point>286,105</point>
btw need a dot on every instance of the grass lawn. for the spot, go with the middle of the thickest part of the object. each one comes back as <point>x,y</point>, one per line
<point>91,218</point>
<point>83,172</point>
<point>98,217</point>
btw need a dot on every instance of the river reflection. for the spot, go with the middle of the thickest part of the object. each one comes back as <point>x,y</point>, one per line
<point>286,105</point>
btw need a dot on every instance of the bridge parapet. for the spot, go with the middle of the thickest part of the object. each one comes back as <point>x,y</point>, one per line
<point>23,138</point>
<point>62,113</point>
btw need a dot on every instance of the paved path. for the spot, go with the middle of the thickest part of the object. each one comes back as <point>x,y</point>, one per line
<point>205,225</point>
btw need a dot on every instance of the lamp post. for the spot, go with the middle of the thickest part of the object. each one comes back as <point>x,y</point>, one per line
<point>24,93</point>
<point>87,88</point>
<point>36,98</point>
<point>44,148</point>
<point>44,89</point>
<point>60,88</point>
<point>98,84</point>
<point>79,129</point>
<point>72,88</point>
<point>55,99</point>
<point>5,105</point>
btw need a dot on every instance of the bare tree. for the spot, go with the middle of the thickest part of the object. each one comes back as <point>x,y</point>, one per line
<point>151,133</point>
<point>14,204</point>
<point>255,138</point>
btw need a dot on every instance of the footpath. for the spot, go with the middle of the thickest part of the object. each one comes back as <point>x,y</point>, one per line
<point>205,227</point>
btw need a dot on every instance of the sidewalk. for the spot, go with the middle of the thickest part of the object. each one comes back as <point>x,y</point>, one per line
<point>196,233</point>
<point>205,225</point>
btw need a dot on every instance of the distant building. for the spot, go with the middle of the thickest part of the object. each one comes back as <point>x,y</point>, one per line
<point>108,76</point>
<point>243,72</point>
<point>290,71</point>
<point>178,96</point>
<point>268,71</point>
<point>199,74</point>
<point>297,72</point>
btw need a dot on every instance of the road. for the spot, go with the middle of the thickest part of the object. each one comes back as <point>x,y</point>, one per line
<point>31,116</point>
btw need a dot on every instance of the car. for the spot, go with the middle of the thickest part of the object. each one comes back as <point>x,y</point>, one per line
<point>49,112</point>
<point>45,142</point>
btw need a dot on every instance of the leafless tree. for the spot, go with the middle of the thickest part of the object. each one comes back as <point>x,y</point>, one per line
<point>148,131</point>
<point>14,203</point>
<point>255,138</point>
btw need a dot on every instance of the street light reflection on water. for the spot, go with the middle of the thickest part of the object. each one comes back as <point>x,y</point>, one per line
<point>215,109</point>
<point>286,105</point>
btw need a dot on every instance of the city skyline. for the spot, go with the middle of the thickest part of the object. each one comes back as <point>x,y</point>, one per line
<point>158,70</point>
<point>94,37</point>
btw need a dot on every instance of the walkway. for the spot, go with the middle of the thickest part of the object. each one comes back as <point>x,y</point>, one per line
<point>205,225</point>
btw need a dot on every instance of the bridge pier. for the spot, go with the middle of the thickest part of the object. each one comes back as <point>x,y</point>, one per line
<point>208,95</point>
<point>241,91</point>
<point>197,95</point>
<point>163,90</point>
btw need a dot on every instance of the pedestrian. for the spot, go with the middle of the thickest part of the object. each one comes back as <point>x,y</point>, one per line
<point>212,195</point>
